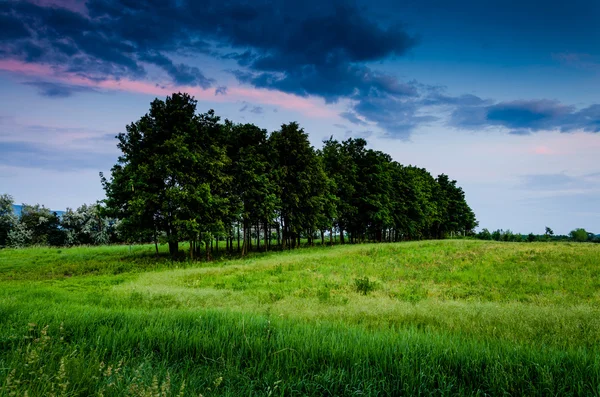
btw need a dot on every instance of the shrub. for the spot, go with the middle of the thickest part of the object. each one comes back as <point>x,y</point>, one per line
<point>364,285</point>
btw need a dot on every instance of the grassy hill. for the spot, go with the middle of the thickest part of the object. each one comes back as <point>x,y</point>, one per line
<point>432,318</point>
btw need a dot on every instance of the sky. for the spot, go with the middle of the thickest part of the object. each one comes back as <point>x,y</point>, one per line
<point>501,95</point>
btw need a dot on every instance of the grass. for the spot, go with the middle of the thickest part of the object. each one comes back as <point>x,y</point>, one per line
<point>454,317</point>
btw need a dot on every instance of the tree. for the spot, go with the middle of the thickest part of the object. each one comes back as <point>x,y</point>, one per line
<point>38,226</point>
<point>168,171</point>
<point>8,219</point>
<point>298,175</point>
<point>87,225</point>
<point>484,234</point>
<point>253,190</point>
<point>579,235</point>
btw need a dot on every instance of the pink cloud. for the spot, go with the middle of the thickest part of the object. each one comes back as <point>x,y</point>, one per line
<point>308,106</point>
<point>545,150</point>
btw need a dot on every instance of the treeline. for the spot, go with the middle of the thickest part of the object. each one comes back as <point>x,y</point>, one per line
<point>37,225</point>
<point>184,176</point>
<point>577,235</point>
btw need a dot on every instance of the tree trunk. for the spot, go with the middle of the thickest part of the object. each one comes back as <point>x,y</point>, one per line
<point>173,248</point>
<point>267,236</point>
<point>283,235</point>
<point>278,228</point>
<point>245,245</point>
<point>191,250</point>
<point>208,248</point>
<point>342,236</point>
<point>257,236</point>
<point>331,236</point>
<point>155,241</point>
<point>322,237</point>
<point>238,235</point>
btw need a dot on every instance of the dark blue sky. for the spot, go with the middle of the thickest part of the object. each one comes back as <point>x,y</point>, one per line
<point>504,96</point>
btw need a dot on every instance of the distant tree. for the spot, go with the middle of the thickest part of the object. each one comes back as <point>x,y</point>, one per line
<point>19,236</point>
<point>484,234</point>
<point>531,237</point>
<point>508,235</point>
<point>456,215</point>
<point>548,234</point>
<point>497,235</point>
<point>41,225</point>
<point>580,235</point>
<point>87,225</point>
<point>8,219</point>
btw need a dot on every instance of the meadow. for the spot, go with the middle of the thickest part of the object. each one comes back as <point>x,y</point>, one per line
<point>449,317</point>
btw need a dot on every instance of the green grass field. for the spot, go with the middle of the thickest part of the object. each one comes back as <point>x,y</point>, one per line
<point>455,317</point>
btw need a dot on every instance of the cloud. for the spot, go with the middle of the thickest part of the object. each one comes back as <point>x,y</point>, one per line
<point>221,90</point>
<point>12,29</point>
<point>352,117</point>
<point>561,184</point>
<point>58,90</point>
<point>525,117</point>
<point>579,61</point>
<point>33,155</point>
<point>548,181</point>
<point>251,108</point>
<point>290,54</point>
<point>180,74</point>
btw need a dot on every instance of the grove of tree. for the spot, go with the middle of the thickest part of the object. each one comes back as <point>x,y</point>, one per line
<point>184,176</point>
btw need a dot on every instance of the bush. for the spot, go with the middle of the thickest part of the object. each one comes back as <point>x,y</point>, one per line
<point>364,285</point>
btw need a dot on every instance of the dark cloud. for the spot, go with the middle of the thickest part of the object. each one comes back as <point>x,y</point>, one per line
<point>251,108</point>
<point>438,98</point>
<point>57,90</point>
<point>524,117</point>
<point>12,29</point>
<point>221,90</point>
<point>316,48</point>
<point>396,116</point>
<point>313,48</point>
<point>351,117</point>
<point>181,74</point>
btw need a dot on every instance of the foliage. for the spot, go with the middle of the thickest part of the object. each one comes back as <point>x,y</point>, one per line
<point>364,285</point>
<point>579,235</point>
<point>188,177</point>
<point>8,219</point>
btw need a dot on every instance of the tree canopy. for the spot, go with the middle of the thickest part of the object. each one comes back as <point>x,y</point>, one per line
<point>189,177</point>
